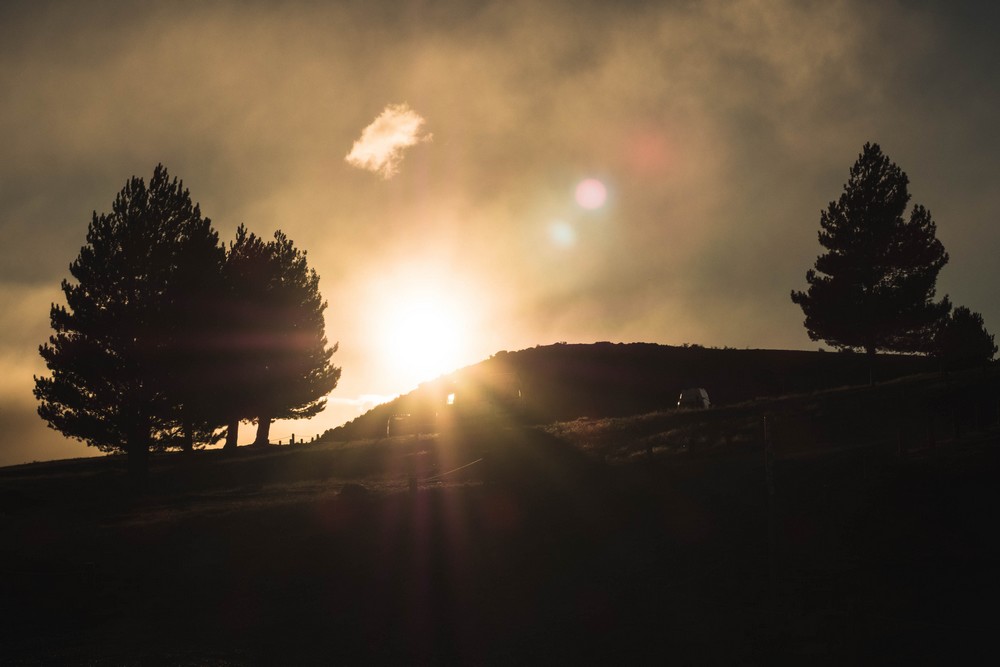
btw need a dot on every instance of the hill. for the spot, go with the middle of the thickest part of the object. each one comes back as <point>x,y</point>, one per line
<point>602,540</point>
<point>562,382</point>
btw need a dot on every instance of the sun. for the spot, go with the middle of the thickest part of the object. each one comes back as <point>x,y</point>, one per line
<point>422,336</point>
<point>424,318</point>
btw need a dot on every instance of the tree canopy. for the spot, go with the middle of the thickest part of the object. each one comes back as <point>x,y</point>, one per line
<point>165,336</point>
<point>126,317</point>
<point>963,340</point>
<point>874,288</point>
<point>280,357</point>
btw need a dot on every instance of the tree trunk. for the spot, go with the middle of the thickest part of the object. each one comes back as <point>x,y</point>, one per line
<point>232,432</point>
<point>870,353</point>
<point>137,451</point>
<point>263,432</point>
<point>187,437</point>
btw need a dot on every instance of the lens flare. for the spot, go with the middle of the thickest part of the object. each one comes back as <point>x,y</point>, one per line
<point>422,337</point>
<point>591,194</point>
<point>562,234</point>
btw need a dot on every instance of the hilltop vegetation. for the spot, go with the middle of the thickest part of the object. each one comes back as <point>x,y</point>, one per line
<point>167,337</point>
<point>563,382</point>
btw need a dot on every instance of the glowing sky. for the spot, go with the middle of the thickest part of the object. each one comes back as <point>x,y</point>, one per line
<point>517,173</point>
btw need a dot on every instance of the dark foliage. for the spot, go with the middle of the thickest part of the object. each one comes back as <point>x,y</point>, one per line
<point>874,288</point>
<point>117,380</point>
<point>963,340</point>
<point>278,361</point>
<point>165,338</point>
<point>245,274</point>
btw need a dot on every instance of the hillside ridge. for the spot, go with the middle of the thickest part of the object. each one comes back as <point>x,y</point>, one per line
<point>566,381</point>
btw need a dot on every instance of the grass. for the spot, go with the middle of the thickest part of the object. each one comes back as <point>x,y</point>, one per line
<point>568,542</point>
<point>898,413</point>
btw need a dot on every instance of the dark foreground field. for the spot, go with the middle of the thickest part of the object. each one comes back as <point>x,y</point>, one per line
<point>507,546</point>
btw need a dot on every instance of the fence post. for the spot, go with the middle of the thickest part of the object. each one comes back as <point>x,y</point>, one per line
<point>771,519</point>
<point>956,425</point>
<point>768,457</point>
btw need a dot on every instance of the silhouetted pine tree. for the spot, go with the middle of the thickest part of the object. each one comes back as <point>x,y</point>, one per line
<point>121,329</point>
<point>194,341</point>
<point>298,373</point>
<point>874,288</point>
<point>247,275</point>
<point>963,340</point>
<point>280,363</point>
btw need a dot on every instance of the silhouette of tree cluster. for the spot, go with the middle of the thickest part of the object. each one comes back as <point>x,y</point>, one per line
<point>279,362</point>
<point>166,336</point>
<point>963,341</point>
<point>874,288</point>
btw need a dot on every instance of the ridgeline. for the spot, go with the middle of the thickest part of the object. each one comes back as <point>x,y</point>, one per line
<point>568,381</point>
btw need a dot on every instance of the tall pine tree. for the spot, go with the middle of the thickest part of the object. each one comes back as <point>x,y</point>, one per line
<point>963,341</point>
<point>874,288</point>
<point>246,279</point>
<point>278,361</point>
<point>117,338</point>
<point>297,374</point>
<point>193,343</point>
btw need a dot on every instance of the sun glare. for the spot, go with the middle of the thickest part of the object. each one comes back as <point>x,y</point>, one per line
<point>422,337</point>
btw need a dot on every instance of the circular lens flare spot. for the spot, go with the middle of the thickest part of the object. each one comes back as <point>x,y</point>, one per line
<point>562,234</point>
<point>591,194</point>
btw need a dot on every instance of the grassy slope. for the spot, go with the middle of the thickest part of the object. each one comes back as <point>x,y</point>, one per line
<point>561,382</point>
<point>909,413</point>
<point>534,549</point>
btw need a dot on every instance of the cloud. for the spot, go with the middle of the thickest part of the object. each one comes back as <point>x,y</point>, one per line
<point>380,148</point>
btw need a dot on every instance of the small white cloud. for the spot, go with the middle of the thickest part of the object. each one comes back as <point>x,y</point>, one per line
<point>380,148</point>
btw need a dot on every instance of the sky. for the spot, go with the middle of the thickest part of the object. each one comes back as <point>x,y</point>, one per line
<point>470,177</point>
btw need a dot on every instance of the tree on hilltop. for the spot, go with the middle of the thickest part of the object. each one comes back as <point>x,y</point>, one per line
<point>298,372</point>
<point>165,337</point>
<point>279,361</point>
<point>119,333</point>
<point>963,340</point>
<point>874,288</point>
<point>246,275</point>
<point>193,344</point>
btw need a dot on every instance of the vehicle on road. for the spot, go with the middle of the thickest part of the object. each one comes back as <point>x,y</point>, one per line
<point>696,397</point>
